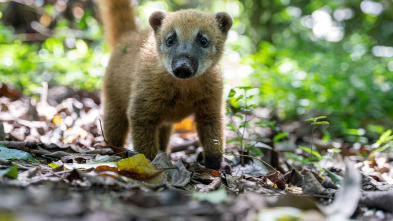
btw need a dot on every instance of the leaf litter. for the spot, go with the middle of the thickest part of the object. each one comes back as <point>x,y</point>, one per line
<point>55,165</point>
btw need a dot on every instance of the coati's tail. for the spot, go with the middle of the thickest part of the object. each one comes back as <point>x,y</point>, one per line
<point>118,17</point>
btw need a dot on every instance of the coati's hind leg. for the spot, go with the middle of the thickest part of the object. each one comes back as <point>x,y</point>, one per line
<point>164,134</point>
<point>115,125</point>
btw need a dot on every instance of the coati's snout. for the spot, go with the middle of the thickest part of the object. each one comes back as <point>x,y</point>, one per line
<point>184,66</point>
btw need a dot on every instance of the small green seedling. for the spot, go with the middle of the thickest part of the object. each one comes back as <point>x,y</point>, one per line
<point>315,124</point>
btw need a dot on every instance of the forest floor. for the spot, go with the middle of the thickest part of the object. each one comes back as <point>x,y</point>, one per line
<point>55,165</point>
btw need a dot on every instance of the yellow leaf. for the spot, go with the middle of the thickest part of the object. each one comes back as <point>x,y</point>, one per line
<point>54,165</point>
<point>140,168</point>
<point>57,119</point>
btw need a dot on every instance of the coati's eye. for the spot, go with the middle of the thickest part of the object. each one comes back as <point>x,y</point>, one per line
<point>170,41</point>
<point>204,42</point>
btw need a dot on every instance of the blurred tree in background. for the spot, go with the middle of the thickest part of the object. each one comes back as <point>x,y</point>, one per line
<point>306,58</point>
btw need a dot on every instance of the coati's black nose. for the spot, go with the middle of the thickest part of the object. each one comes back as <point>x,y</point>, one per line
<point>182,72</point>
<point>184,67</point>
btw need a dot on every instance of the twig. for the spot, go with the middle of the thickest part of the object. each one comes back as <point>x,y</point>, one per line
<point>260,160</point>
<point>214,185</point>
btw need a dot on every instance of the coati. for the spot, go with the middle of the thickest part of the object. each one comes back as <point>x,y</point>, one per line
<point>156,78</point>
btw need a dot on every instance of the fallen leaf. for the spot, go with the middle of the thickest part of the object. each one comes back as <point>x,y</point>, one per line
<point>8,154</point>
<point>11,172</point>
<point>106,168</point>
<point>311,186</point>
<point>139,167</point>
<point>335,178</point>
<point>328,183</point>
<point>295,178</point>
<point>54,165</point>
<point>214,172</point>
<point>74,175</point>
<point>179,174</point>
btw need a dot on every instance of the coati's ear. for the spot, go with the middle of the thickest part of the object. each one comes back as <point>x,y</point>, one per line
<point>225,21</point>
<point>156,18</point>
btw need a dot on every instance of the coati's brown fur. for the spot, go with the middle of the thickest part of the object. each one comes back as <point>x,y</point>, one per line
<point>156,78</point>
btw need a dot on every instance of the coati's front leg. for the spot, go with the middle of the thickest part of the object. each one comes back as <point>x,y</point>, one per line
<point>144,124</point>
<point>210,128</point>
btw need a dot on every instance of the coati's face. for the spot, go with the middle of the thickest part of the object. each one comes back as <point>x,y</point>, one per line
<point>189,42</point>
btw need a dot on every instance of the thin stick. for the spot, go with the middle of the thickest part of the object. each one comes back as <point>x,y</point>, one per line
<point>260,160</point>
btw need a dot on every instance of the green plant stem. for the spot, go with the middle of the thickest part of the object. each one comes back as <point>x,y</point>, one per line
<point>244,128</point>
<point>312,145</point>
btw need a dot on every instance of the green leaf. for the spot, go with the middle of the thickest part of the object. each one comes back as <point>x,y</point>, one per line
<point>311,119</point>
<point>256,151</point>
<point>245,124</point>
<point>233,128</point>
<point>335,178</point>
<point>233,140</point>
<point>280,136</point>
<point>11,172</point>
<point>266,123</point>
<point>232,93</point>
<point>251,107</point>
<point>214,197</point>
<point>384,136</point>
<point>386,146</point>
<point>353,132</point>
<point>321,117</point>
<point>320,123</point>
<point>334,150</point>
<point>239,116</point>
<point>240,97</point>
<point>308,150</point>
<point>246,88</point>
<point>8,154</point>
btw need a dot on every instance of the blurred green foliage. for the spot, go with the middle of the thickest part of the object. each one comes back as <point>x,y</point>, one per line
<point>73,55</point>
<point>309,58</point>
<point>326,57</point>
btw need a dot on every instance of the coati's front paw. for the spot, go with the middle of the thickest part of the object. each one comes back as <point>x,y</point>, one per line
<point>213,161</point>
